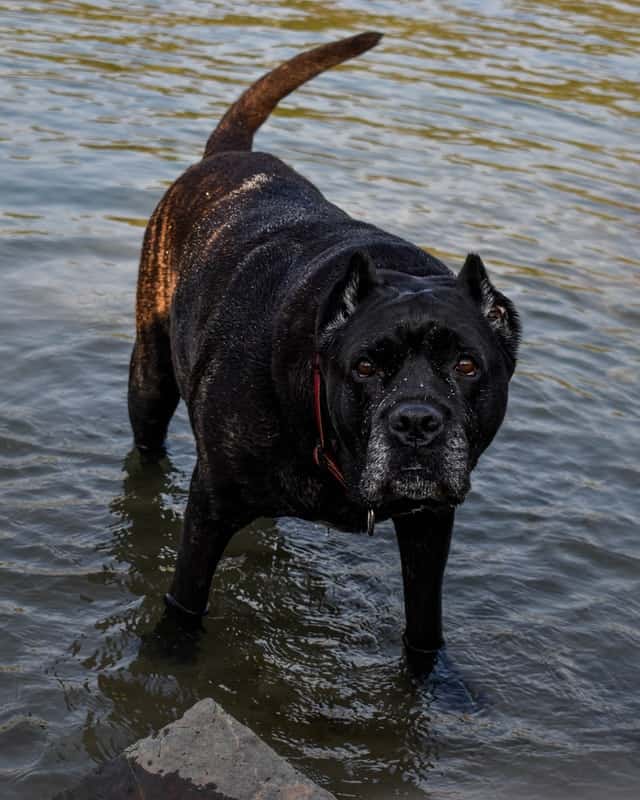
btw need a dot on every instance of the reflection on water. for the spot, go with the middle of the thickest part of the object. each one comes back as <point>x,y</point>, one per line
<point>287,629</point>
<point>508,128</point>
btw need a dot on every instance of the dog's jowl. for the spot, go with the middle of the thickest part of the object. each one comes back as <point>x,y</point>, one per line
<point>332,371</point>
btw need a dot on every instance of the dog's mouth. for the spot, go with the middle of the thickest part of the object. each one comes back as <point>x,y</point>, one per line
<point>412,492</point>
<point>435,484</point>
<point>435,476</point>
<point>413,489</point>
<point>419,484</point>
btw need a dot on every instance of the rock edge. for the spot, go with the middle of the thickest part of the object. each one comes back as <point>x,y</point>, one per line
<point>206,754</point>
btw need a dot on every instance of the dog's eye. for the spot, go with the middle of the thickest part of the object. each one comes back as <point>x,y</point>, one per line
<point>365,368</point>
<point>466,366</point>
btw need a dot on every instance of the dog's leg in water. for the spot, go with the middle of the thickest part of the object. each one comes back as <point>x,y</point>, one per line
<point>424,540</point>
<point>204,537</point>
<point>153,391</point>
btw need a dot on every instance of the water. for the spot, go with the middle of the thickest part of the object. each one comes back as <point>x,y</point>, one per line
<point>508,128</point>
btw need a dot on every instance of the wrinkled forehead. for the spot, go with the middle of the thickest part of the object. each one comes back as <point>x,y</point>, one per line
<point>416,315</point>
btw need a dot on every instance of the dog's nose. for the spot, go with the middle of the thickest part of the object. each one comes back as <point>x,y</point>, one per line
<point>415,423</point>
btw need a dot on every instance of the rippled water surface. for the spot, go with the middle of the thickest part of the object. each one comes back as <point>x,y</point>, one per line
<point>508,128</point>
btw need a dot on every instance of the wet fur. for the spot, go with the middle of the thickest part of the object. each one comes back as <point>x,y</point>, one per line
<point>247,272</point>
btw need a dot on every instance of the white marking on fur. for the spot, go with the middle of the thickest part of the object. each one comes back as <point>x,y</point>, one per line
<point>336,323</point>
<point>376,471</point>
<point>248,185</point>
<point>452,478</point>
<point>350,295</point>
<point>254,182</point>
<point>487,301</point>
<point>349,301</point>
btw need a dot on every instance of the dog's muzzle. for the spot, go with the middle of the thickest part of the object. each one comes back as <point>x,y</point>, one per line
<point>413,424</point>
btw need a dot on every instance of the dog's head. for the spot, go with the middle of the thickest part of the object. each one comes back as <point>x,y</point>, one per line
<point>416,372</point>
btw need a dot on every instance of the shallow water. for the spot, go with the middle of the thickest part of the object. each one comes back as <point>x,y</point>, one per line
<point>507,128</point>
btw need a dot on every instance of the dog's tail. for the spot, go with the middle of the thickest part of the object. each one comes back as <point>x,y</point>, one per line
<point>236,129</point>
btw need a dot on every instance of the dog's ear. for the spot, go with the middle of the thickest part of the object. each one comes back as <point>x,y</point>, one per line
<point>358,279</point>
<point>497,309</point>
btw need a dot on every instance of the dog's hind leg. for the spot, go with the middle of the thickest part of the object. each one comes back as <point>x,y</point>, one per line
<point>153,391</point>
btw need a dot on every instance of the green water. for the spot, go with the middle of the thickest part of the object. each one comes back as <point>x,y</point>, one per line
<point>507,128</point>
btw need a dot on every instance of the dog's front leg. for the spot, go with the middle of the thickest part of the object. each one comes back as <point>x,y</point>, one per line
<point>206,532</point>
<point>424,540</point>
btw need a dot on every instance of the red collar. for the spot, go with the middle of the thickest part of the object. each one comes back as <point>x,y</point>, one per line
<point>320,454</point>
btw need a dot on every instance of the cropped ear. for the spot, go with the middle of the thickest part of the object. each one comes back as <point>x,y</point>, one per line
<point>348,292</point>
<point>497,309</point>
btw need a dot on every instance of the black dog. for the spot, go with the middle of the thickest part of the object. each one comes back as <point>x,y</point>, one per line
<point>332,371</point>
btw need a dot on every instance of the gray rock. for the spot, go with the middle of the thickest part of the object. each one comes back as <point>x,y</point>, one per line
<point>207,754</point>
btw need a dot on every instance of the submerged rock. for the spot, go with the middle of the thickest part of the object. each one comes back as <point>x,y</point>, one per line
<point>208,755</point>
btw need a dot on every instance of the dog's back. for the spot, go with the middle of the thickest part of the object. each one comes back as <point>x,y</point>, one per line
<point>204,192</point>
<point>202,206</point>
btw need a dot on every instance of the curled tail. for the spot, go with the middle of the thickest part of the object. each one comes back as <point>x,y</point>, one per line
<point>236,129</point>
